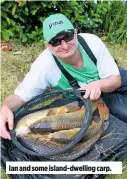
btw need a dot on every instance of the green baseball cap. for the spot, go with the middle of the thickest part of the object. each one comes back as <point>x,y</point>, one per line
<point>54,24</point>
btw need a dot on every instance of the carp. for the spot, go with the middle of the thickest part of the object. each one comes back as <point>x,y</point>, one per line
<point>39,144</point>
<point>95,126</point>
<point>55,120</point>
<point>23,125</point>
<point>59,122</point>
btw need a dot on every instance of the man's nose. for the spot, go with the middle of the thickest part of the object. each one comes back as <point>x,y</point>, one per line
<point>64,44</point>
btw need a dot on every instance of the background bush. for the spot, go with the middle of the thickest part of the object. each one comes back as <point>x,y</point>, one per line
<point>23,19</point>
<point>116,22</point>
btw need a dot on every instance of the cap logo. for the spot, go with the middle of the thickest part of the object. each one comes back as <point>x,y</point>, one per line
<point>55,23</point>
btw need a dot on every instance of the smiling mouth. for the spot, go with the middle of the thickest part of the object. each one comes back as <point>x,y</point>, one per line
<point>65,51</point>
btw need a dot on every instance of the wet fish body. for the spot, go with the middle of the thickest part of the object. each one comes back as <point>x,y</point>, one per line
<point>59,122</point>
<point>23,125</point>
<point>95,126</point>
<point>68,135</point>
<point>62,121</point>
<point>40,144</point>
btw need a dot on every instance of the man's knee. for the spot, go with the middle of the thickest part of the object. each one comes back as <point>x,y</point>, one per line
<point>117,104</point>
<point>119,111</point>
<point>123,74</point>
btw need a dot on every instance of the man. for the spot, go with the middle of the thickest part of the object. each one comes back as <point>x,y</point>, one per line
<point>61,41</point>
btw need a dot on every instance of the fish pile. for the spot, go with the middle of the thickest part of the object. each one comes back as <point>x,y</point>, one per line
<point>53,128</point>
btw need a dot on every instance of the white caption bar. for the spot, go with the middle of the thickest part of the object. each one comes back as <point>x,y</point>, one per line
<point>64,167</point>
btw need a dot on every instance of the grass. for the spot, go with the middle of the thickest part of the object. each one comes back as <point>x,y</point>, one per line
<point>15,66</point>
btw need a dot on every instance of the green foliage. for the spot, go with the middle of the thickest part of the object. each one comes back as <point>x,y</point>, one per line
<point>23,19</point>
<point>116,23</point>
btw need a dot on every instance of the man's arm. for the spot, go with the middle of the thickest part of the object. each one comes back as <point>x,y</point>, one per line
<point>11,104</point>
<point>94,89</point>
<point>110,84</point>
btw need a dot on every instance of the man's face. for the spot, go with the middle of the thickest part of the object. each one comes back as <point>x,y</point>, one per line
<point>64,46</point>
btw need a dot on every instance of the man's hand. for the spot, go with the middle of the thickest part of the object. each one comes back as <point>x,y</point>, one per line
<point>93,90</point>
<point>11,104</point>
<point>6,119</point>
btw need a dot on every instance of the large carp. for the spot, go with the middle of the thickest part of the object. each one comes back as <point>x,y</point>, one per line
<point>59,122</point>
<point>23,125</point>
<point>96,125</point>
<point>39,144</point>
<point>40,120</point>
<point>55,121</point>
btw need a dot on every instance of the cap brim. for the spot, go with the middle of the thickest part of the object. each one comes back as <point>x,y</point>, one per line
<point>68,31</point>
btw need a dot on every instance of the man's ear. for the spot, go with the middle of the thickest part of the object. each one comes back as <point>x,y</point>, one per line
<point>46,44</point>
<point>75,32</point>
